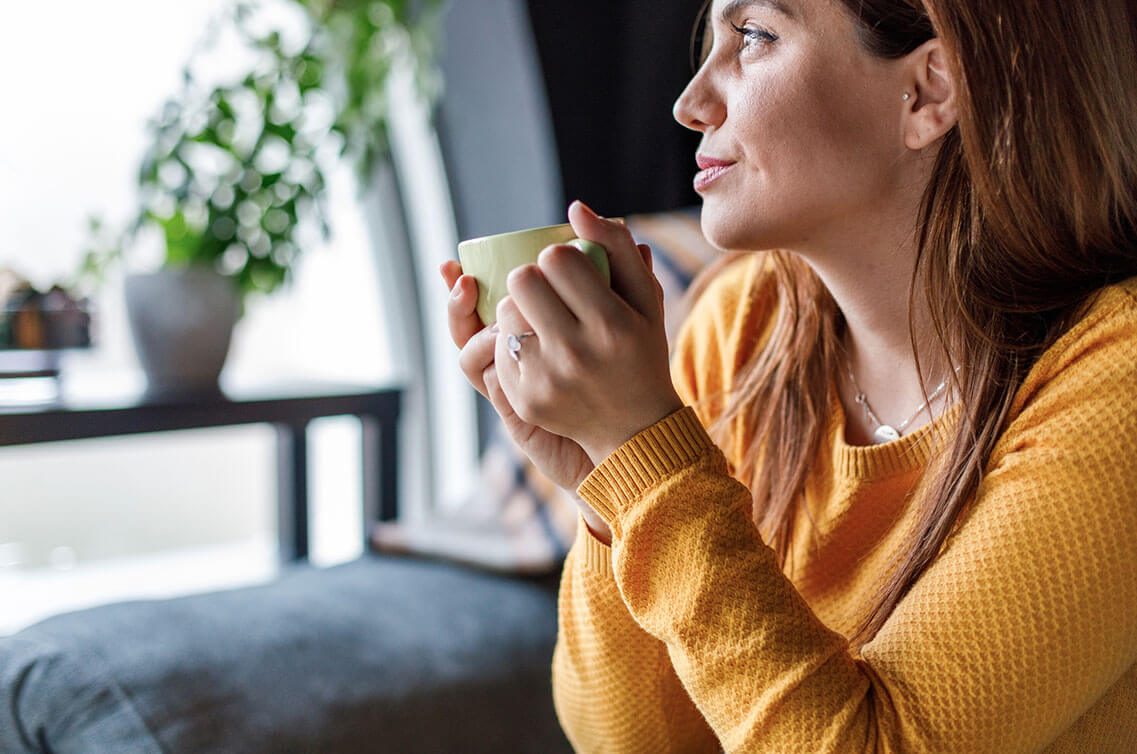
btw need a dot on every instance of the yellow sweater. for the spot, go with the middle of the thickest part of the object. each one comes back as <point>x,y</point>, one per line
<point>686,636</point>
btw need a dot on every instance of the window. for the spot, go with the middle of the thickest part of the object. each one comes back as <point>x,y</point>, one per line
<point>81,80</point>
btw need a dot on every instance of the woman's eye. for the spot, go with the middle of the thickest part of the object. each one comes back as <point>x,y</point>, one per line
<point>752,36</point>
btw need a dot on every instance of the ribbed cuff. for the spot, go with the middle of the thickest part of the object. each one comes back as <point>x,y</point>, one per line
<point>643,461</point>
<point>597,555</point>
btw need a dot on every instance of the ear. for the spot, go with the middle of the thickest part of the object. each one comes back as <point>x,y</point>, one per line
<point>933,111</point>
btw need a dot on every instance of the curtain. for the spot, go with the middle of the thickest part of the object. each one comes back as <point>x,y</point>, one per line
<point>612,72</point>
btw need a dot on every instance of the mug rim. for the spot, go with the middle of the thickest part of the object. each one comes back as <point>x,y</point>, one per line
<point>509,233</point>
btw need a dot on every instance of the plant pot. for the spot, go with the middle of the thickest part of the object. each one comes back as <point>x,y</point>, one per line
<point>181,320</point>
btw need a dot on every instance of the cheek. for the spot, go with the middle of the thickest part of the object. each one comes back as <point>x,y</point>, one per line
<point>769,116</point>
<point>816,149</point>
<point>854,117</point>
<point>792,132</point>
<point>826,142</point>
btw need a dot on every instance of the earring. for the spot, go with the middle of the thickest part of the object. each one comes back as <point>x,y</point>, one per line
<point>907,96</point>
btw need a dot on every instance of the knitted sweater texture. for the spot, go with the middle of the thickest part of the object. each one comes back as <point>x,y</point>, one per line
<point>687,636</point>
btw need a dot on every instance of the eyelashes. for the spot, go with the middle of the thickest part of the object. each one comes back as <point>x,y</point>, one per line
<point>753,35</point>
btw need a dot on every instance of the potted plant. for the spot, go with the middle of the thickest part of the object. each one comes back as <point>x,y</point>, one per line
<point>236,171</point>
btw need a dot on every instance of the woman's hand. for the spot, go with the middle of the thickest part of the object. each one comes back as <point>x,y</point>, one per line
<point>563,461</point>
<point>597,371</point>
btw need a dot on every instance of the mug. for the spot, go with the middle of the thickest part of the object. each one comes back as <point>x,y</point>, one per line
<point>489,260</point>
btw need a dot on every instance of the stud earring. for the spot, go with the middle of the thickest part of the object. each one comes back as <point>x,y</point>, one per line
<point>907,96</point>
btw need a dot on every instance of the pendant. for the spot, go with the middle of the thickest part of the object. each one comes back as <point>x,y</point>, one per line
<point>885,433</point>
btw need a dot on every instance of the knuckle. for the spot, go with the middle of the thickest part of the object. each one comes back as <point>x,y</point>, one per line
<point>570,366</point>
<point>478,348</point>
<point>558,381</point>
<point>607,339</point>
<point>540,404</point>
<point>493,386</point>
<point>506,308</point>
<point>523,407</point>
<point>616,232</point>
<point>522,277</point>
<point>469,364</point>
<point>558,257</point>
<point>456,313</point>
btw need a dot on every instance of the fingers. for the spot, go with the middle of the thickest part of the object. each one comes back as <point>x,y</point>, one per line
<point>577,283</point>
<point>451,270</point>
<point>493,389</point>
<point>631,277</point>
<point>645,252</point>
<point>461,313</point>
<point>477,356</point>
<point>510,365</point>
<point>510,321</point>
<point>530,291</point>
<point>475,341</point>
<point>497,398</point>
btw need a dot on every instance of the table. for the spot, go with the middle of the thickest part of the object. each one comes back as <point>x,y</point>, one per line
<point>288,407</point>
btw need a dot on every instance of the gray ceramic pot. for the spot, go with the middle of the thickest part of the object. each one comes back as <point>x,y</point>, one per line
<point>182,321</point>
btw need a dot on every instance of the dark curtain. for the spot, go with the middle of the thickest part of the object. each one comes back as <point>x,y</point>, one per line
<point>613,69</point>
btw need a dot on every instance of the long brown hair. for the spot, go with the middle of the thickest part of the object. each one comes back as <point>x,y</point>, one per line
<point>1031,208</point>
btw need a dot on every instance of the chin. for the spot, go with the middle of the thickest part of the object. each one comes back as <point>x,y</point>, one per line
<point>731,230</point>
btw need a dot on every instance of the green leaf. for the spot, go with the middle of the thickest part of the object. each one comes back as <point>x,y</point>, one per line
<point>183,243</point>
<point>347,56</point>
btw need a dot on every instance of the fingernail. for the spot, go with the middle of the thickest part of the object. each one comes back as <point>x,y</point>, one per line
<point>588,209</point>
<point>456,291</point>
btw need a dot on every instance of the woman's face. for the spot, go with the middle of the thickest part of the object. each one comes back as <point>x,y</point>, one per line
<point>801,126</point>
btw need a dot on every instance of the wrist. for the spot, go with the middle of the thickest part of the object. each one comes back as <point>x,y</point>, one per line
<point>603,447</point>
<point>596,525</point>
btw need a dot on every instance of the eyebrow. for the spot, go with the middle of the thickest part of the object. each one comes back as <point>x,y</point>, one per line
<point>736,5</point>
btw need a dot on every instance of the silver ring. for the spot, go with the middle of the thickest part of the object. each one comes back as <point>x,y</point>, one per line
<point>513,344</point>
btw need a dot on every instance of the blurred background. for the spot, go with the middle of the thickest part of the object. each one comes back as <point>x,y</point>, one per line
<point>91,521</point>
<point>88,521</point>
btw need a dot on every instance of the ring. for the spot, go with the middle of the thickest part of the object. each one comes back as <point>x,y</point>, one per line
<point>513,344</point>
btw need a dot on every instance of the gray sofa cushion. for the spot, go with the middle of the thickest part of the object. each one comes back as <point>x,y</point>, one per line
<point>382,654</point>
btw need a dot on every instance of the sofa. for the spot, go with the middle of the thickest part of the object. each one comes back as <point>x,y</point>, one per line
<point>385,653</point>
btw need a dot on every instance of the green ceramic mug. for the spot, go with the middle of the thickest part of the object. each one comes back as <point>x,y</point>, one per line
<point>490,258</point>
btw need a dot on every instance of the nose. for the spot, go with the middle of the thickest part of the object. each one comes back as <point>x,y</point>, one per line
<point>699,107</point>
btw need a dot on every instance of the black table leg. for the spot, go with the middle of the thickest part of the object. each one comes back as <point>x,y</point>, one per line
<point>380,471</point>
<point>292,489</point>
<point>389,473</point>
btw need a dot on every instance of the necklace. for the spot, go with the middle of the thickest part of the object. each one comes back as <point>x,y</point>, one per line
<point>886,432</point>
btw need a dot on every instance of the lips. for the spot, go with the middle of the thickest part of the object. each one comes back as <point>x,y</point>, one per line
<point>706,162</point>
<point>710,170</point>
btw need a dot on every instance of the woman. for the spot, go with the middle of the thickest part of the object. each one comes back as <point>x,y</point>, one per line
<point>919,533</point>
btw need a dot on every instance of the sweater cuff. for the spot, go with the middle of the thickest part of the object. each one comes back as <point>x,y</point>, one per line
<point>597,555</point>
<point>643,461</point>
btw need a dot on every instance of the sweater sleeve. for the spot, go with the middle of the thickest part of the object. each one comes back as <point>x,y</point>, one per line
<point>1021,625</point>
<point>613,683</point>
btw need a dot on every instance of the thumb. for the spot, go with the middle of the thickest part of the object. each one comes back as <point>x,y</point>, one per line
<point>631,275</point>
<point>645,252</point>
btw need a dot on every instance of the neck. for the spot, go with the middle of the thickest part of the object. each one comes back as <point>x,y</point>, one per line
<point>869,275</point>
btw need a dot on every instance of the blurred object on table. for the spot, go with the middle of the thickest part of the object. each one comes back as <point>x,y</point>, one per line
<point>36,325</point>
